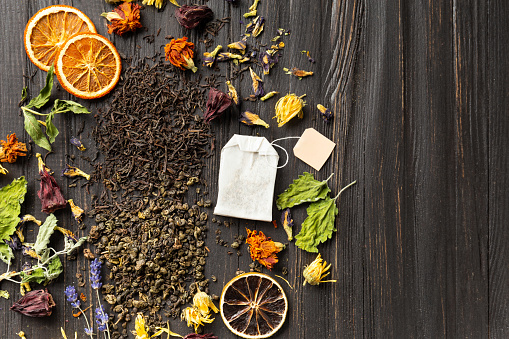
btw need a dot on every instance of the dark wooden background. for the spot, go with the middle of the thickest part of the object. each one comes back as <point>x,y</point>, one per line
<point>419,89</point>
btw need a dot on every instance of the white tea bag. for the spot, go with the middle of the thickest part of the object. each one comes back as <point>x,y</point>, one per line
<point>247,175</point>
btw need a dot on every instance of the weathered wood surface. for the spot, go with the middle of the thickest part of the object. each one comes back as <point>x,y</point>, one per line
<point>418,90</point>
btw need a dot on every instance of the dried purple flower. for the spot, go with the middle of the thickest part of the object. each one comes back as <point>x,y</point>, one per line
<point>268,60</point>
<point>251,119</point>
<point>49,192</point>
<point>37,303</point>
<point>287,222</point>
<point>13,242</point>
<point>239,46</point>
<point>101,318</point>
<point>192,16</point>
<point>72,171</point>
<point>257,84</point>
<point>210,57</point>
<point>228,56</point>
<point>72,296</point>
<point>217,103</point>
<point>95,274</point>
<point>325,113</point>
<point>255,27</point>
<point>76,142</point>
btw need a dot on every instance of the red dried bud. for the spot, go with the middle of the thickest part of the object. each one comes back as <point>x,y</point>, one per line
<point>50,193</point>
<point>37,303</point>
<point>191,16</point>
<point>217,103</point>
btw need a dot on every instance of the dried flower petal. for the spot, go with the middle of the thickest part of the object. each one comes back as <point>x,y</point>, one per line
<point>268,95</point>
<point>125,18</point>
<point>255,27</point>
<point>288,107</point>
<point>297,72</point>
<point>232,92</point>
<point>210,57</point>
<point>262,248</point>
<point>217,103</point>
<point>76,142</point>
<point>28,217</point>
<point>3,170</point>
<point>139,328</point>
<point>257,84</point>
<point>37,303</point>
<point>157,3</point>
<point>193,317</point>
<point>239,46</point>
<point>11,149</point>
<point>287,221</point>
<point>180,53</point>
<point>161,330</point>
<point>310,59</point>
<point>228,56</point>
<point>77,212</point>
<point>49,192</point>
<point>325,113</point>
<point>315,272</point>
<point>71,172</point>
<point>28,251</point>
<point>250,119</point>
<point>192,16</point>
<point>252,9</point>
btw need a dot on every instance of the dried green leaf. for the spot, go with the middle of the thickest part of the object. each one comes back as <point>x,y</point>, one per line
<point>45,232</point>
<point>61,106</point>
<point>11,198</point>
<point>70,246</point>
<point>319,224</point>
<point>303,189</point>
<point>45,93</point>
<point>51,130</point>
<point>34,130</point>
<point>6,254</point>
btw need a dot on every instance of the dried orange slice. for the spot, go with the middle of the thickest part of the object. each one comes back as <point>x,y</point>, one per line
<point>88,65</point>
<point>253,305</point>
<point>49,28</point>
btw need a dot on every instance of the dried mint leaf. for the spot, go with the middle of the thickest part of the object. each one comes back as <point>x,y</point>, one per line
<point>303,189</point>
<point>42,276</point>
<point>33,129</point>
<point>11,198</point>
<point>45,232</point>
<point>319,224</point>
<point>6,254</point>
<point>45,93</point>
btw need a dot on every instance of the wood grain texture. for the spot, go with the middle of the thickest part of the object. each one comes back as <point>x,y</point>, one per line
<point>419,92</point>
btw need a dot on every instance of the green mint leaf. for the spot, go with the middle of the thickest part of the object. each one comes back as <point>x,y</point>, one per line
<point>51,130</point>
<point>36,276</point>
<point>303,189</point>
<point>24,95</point>
<point>54,269</point>
<point>318,226</point>
<point>34,130</point>
<point>45,93</point>
<point>45,232</point>
<point>6,254</point>
<point>70,246</point>
<point>11,198</point>
<point>69,105</point>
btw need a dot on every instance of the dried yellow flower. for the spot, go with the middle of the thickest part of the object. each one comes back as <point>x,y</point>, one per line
<point>77,212</point>
<point>139,328</point>
<point>161,330</point>
<point>202,301</point>
<point>232,92</point>
<point>315,272</point>
<point>3,170</point>
<point>193,317</point>
<point>288,107</point>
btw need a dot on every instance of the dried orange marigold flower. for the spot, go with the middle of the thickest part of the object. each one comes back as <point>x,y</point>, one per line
<point>125,18</point>
<point>263,249</point>
<point>11,149</point>
<point>180,53</point>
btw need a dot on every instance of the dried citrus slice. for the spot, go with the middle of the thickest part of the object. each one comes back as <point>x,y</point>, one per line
<point>88,65</point>
<point>253,305</point>
<point>49,28</point>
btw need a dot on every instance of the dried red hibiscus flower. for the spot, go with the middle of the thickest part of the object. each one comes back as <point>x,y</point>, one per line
<point>37,303</point>
<point>217,103</point>
<point>49,192</point>
<point>192,16</point>
<point>125,18</point>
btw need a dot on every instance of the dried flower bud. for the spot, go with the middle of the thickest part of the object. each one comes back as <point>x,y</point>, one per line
<point>268,95</point>
<point>257,84</point>
<point>297,72</point>
<point>251,119</point>
<point>11,149</point>
<point>315,272</point>
<point>76,142</point>
<point>263,249</point>
<point>217,103</point>
<point>180,53</point>
<point>287,221</point>
<point>202,301</point>
<point>268,60</point>
<point>192,16</point>
<point>210,57</point>
<point>255,27</point>
<point>288,107</point>
<point>71,172</point>
<point>37,303</point>
<point>193,317</point>
<point>325,113</point>
<point>49,192</point>
<point>77,212</point>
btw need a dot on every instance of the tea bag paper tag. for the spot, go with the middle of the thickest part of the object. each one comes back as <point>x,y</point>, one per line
<point>247,175</point>
<point>313,148</point>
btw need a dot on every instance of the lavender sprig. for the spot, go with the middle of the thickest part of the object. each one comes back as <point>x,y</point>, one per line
<point>101,316</point>
<point>72,297</point>
<point>95,274</point>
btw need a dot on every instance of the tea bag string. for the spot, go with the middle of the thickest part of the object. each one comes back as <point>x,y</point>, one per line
<point>284,150</point>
